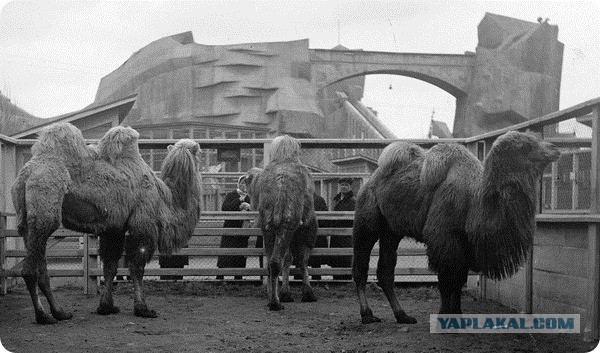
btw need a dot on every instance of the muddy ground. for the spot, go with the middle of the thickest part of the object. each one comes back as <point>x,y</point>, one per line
<point>223,317</point>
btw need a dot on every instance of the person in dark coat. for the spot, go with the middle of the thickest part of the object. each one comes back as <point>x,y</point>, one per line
<point>343,201</point>
<point>237,200</point>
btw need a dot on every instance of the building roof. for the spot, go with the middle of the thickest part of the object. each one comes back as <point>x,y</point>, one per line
<point>122,106</point>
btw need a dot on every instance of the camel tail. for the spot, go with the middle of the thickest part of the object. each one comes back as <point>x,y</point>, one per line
<point>283,209</point>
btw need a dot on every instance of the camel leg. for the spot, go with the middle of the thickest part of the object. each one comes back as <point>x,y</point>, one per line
<point>286,292</point>
<point>44,284</point>
<point>450,283</point>
<point>111,250</point>
<point>450,262</point>
<point>35,273</point>
<point>307,292</point>
<point>273,268</point>
<point>364,236</point>
<point>386,266</point>
<point>360,270</point>
<point>139,252</point>
<point>272,287</point>
<point>30,274</point>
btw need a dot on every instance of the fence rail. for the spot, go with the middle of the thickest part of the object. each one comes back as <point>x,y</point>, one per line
<point>91,270</point>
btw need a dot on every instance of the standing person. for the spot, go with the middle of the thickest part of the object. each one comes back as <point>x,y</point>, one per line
<point>237,200</point>
<point>343,201</point>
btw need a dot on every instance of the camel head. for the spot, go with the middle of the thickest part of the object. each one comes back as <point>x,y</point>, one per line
<point>517,152</point>
<point>284,147</point>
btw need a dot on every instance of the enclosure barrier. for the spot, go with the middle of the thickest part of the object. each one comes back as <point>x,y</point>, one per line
<point>562,274</point>
<point>91,269</point>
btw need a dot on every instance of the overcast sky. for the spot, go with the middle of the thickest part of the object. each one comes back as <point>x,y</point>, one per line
<point>54,53</point>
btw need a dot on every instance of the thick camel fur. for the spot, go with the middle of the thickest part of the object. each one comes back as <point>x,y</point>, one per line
<point>283,195</point>
<point>107,190</point>
<point>471,217</point>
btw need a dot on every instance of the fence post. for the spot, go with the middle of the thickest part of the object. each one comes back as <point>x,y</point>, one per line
<point>3,281</point>
<point>90,262</point>
<point>591,324</point>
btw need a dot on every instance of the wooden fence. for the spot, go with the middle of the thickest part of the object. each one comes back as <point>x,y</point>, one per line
<point>91,270</point>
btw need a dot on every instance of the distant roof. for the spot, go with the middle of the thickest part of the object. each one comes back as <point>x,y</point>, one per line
<point>123,105</point>
<point>13,118</point>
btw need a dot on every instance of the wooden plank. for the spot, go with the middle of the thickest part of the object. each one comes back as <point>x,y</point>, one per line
<point>260,271</point>
<point>250,215</point>
<point>562,260</point>
<point>49,253</point>
<point>260,252</point>
<point>561,288</point>
<point>16,272</point>
<point>202,232</point>
<point>3,282</point>
<point>573,235</point>
<point>567,218</point>
<point>548,306</point>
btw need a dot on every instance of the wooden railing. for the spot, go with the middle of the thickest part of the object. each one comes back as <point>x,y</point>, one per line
<point>91,269</point>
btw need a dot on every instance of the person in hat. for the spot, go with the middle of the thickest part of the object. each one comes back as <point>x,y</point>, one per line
<point>343,201</point>
<point>236,200</point>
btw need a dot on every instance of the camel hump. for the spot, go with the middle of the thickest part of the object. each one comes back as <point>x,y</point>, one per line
<point>399,153</point>
<point>62,140</point>
<point>451,163</point>
<point>119,142</point>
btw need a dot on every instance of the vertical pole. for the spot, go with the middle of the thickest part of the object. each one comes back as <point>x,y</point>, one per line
<point>574,183</point>
<point>554,187</point>
<point>90,285</point>
<point>3,281</point>
<point>591,325</point>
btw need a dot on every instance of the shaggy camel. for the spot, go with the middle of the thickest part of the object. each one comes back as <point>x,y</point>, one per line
<point>470,217</point>
<point>283,195</point>
<point>107,190</point>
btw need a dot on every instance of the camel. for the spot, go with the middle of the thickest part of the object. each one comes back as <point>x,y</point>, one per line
<point>470,216</point>
<point>283,195</point>
<point>107,190</point>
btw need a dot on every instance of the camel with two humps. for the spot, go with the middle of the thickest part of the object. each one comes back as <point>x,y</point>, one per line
<point>470,216</point>
<point>107,190</point>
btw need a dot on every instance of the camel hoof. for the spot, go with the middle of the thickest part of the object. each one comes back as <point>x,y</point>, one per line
<point>405,319</point>
<point>45,319</point>
<point>286,298</point>
<point>308,296</point>
<point>275,306</point>
<point>107,310</point>
<point>62,315</point>
<point>143,311</point>
<point>370,319</point>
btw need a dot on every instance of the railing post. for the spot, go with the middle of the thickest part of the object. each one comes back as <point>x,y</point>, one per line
<point>3,281</point>
<point>591,324</point>
<point>90,262</point>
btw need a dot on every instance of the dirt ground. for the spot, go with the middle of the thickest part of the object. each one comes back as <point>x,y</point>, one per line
<point>221,317</point>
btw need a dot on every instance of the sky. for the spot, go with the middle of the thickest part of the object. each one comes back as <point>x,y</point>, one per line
<point>54,53</point>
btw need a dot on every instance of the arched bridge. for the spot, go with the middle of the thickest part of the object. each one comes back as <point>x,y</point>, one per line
<point>450,72</point>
